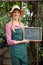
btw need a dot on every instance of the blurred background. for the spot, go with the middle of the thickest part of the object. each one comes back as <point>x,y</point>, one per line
<point>33,16</point>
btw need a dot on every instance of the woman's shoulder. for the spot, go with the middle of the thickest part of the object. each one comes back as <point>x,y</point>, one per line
<point>8,24</point>
<point>22,24</point>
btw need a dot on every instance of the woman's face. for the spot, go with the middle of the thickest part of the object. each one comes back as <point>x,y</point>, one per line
<point>16,14</point>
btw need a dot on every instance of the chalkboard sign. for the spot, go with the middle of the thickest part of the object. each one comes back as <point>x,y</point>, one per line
<point>33,33</point>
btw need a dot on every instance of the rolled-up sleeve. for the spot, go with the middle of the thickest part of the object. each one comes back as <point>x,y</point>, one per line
<point>8,35</point>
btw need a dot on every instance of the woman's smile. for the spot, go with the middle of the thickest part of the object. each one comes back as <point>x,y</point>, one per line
<point>16,14</point>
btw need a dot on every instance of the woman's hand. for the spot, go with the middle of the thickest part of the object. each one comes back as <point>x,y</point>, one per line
<point>26,41</point>
<point>23,41</point>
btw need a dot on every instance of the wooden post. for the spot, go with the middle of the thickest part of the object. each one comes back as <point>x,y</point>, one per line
<point>35,10</point>
<point>37,54</point>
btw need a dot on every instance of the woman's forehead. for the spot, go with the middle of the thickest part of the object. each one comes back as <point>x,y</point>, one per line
<point>16,10</point>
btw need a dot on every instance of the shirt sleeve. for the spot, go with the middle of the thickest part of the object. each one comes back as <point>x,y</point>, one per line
<point>8,35</point>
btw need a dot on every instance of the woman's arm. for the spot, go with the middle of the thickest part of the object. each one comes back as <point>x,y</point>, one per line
<point>8,36</point>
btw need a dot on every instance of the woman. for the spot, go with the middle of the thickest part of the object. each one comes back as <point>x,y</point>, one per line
<point>14,37</point>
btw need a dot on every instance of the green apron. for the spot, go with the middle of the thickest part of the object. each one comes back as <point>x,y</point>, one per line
<point>18,52</point>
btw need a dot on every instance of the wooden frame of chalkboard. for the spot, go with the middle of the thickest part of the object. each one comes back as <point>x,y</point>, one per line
<point>33,33</point>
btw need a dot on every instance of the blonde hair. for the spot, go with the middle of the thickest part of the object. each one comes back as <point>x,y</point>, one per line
<point>12,22</point>
<point>13,25</point>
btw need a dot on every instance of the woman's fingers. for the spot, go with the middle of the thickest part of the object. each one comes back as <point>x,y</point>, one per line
<point>26,41</point>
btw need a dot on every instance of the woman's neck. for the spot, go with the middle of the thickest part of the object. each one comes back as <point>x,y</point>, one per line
<point>16,22</point>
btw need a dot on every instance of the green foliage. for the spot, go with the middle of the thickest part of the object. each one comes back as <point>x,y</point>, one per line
<point>29,5</point>
<point>3,20</point>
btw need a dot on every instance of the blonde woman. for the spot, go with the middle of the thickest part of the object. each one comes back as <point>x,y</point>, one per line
<point>14,37</point>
